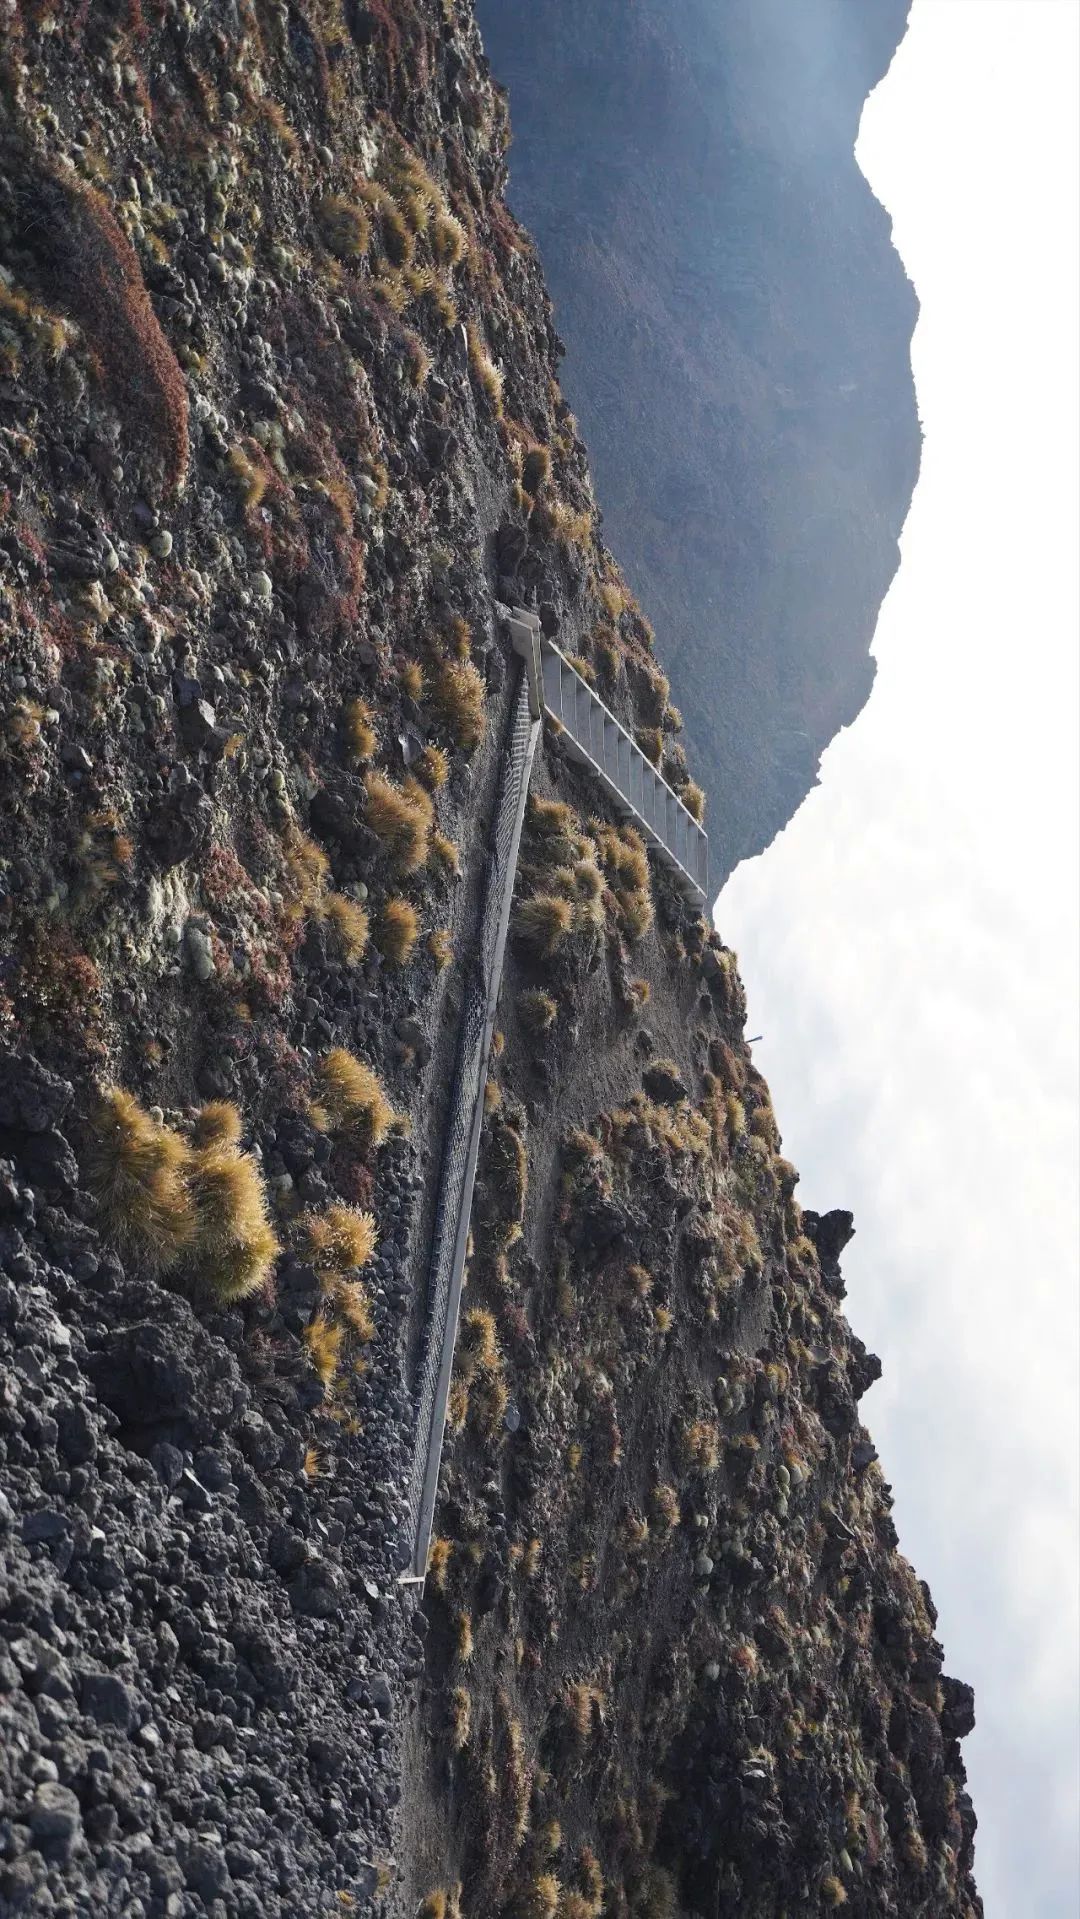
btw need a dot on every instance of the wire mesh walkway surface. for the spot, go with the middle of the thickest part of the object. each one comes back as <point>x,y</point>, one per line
<point>593,737</point>
<point>463,1129</point>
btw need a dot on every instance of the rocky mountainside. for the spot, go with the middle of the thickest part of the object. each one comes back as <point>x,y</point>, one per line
<point>279,432</point>
<point>738,329</point>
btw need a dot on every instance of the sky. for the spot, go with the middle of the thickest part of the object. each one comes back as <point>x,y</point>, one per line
<point>909,943</point>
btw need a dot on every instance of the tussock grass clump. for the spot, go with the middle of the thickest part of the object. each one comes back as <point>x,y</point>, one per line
<point>448,240</point>
<point>411,679</point>
<point>391,226</point>
<point>349,924</point>
<point>349,1299</point>
<point>441,946</point>
<point>397,930</point>
<point>539,1899</point>
<point>460,1718</point>
<point>439,1555</point>
<point>625,865</point>
<point>485,371</point>
<point>198,1210</point>
<point>446,852</point>
<point>458,696</point>
<point>137,1172</point>
<point>217,1124</point>
<point>832,1891</point>
<point>401,817</point>
<point>535,468</point>
<point>358,726</point>
<point>307,867</point>
<point>339,1240</point>
<point>324,1339</point>
<point>543,922</point>
<point>651,741</point>
<point>344,226</point>
<point>700,1445</point>
<point>433,768</point>
<point>666,1506</point>
<point>352,1098</point>
<point>693,798</point>
<point>537,1010</point>
<point>234,1247</point>
<point>550,817</point>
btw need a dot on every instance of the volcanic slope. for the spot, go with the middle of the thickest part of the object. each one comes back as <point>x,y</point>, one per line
<point>280,429</point>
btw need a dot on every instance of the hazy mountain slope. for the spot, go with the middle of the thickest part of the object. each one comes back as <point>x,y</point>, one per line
<point>738,328</point>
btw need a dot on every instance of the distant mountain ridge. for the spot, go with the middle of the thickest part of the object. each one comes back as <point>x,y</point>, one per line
<point>738,327</point>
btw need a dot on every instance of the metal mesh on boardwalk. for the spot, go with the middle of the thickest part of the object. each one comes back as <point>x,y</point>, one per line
<point>462,1138</point>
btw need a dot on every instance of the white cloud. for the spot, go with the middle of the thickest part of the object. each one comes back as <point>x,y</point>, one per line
<point>910,943</point>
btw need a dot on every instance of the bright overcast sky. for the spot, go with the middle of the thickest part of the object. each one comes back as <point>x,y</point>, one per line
<point>910,942</point>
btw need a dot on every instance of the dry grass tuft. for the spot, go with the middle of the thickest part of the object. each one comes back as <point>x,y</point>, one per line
<point>693,798</point>
<point>447,852</point>
<point>345,227</point>
<point>324,1340</point>
<point>485,371</point>
<point>539,1899</point>
<point>234,1248</point>
<point>350,1301</point>
<point>339,1240</point>
<point>458,699</point>
<point>361,737</point>
<point>218,1124</point>
<point>666,1506</point>
<point>460,1718</point>
<point>433,768</point>
<point>543,922</point>
<point>537,1010</point>
<point>535,468</point>
<point>353,1100</point>
<point>441,946</point>
<point>136,1170</point>
<point>397,930</point>
<point>307,866</point>
<point>401,817</point>
<point>349,924</point>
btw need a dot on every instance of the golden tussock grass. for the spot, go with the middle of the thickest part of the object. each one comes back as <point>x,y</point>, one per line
<point>307,867</point>
<point>136,1170</point>
<point>460,1718</point>
<point>358,726</point>
<point>397,930</point>
<point>351,1303</point>
<point>352,1098</point>
<point>344,226</point>
<point>446,852</point>
<point>458,699</point>
<point>433,768</point>
<point>543,922</point>
<point>324,1340</point>
<point>234,1247</point>
<point>338,1240</point>
<point>217,1124</point>
<point>537,1010</point>
<point>349,924</point>
<point>535,468</point>
<point>441,947</point>
<point>485,371</point>
<point>693,798</point>
<point>401,817</point>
